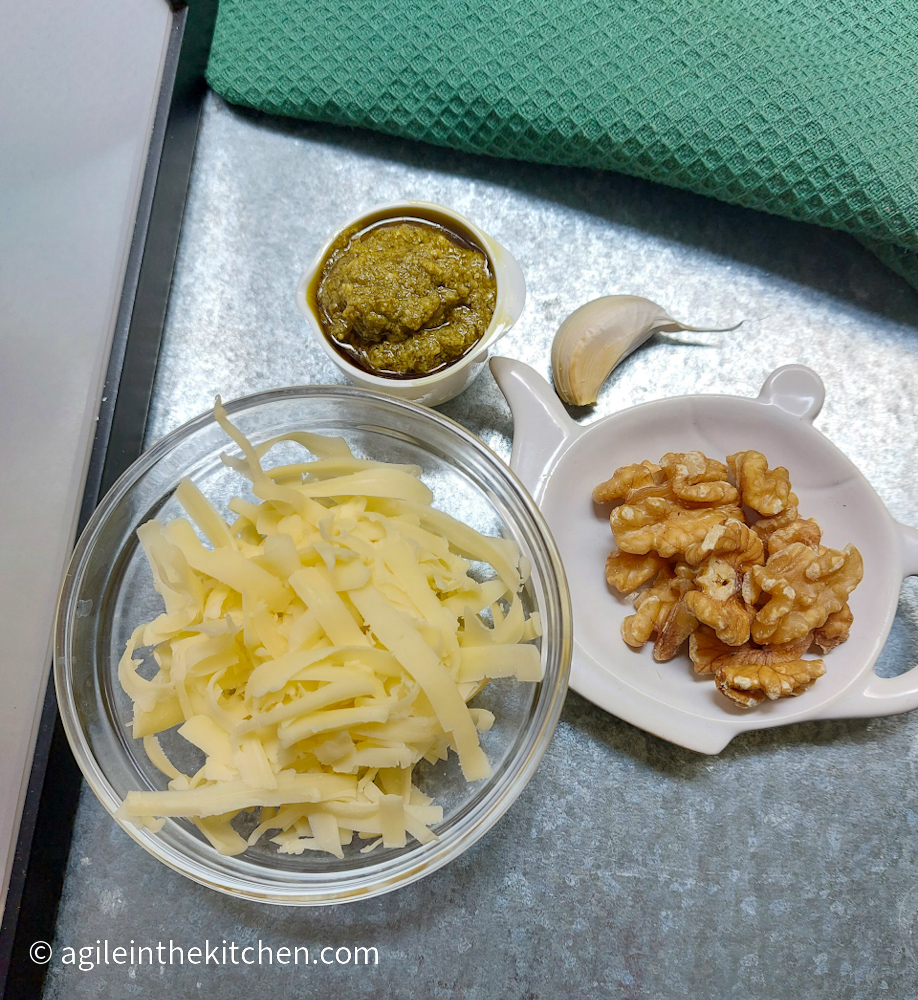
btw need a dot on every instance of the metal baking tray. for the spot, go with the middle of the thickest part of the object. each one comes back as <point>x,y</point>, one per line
<point>629,866</point>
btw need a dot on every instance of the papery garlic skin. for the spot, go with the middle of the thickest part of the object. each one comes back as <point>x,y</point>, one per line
<point>598,335</point>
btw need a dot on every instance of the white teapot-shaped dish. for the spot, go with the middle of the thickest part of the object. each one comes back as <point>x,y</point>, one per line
<point>560,462</point>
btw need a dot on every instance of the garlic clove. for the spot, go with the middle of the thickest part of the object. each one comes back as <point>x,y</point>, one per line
<point>598,335</point>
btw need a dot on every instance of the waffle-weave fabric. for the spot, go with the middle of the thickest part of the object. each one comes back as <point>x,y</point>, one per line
<point>804,109</point>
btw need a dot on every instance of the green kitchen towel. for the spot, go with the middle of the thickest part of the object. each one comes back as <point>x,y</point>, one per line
<point>804,108</point>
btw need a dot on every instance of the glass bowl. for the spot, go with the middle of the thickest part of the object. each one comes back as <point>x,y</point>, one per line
<point>108,590</point>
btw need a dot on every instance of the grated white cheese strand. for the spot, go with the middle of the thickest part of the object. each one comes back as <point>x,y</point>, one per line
<point>318,647</point>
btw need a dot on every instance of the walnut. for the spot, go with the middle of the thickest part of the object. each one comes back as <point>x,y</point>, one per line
<point>749,675</point>
<point>750,589</point>
<point>678,625</point>
<point>693,463</point>
<point>718,579</point>
<point>626,571</point>
<point>705,648</point>
<point>835,630</point>
<point>766,491</point>
<point>751,596</point>
<point>697,479</point>
<point>733,541</point>
<point>627,478</point>
<point>806,586</point>
<point>731,619</point>
<point>670,535</point>
<point>765,527</point>
<point>631,517</point>
<point>653,605</point>
<point>807,532</point>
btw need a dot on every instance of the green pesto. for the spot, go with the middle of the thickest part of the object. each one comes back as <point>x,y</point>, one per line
<point>405,298</point>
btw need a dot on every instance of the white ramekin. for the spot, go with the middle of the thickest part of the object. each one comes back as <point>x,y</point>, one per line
<point>443,385</point>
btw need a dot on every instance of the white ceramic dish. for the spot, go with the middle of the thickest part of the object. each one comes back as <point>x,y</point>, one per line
<point>560,462</point>
<point>431,390</point>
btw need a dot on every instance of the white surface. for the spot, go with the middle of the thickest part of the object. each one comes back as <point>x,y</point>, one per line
<point>432,390</point>
<point>79,85</point>
<point>560,462</point>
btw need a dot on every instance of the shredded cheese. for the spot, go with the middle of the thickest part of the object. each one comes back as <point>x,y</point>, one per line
<point>316,648</point>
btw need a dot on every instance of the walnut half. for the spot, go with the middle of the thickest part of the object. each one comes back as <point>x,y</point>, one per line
<point>766,491</point>
<point>749,675</point>
<point>835,630</point>
<point>626,571</point>
<point>805,586</point>
<point>653,605</point>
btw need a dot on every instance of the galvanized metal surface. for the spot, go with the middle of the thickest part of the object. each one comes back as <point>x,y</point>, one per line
<point>788,865</point>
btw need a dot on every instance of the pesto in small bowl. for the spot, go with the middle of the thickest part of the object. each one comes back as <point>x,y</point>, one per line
<point>405,297</point>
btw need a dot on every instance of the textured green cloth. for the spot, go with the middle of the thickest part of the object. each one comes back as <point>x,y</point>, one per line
<point>804,108</point>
